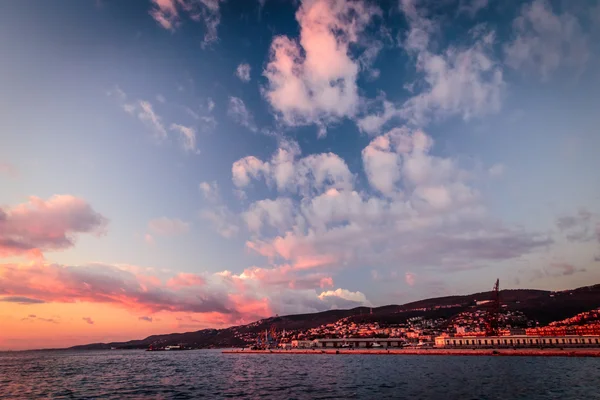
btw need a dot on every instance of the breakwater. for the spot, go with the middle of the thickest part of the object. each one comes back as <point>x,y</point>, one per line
<point>433,352</point>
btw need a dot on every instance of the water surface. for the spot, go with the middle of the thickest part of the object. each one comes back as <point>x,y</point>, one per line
<point>210,374</point>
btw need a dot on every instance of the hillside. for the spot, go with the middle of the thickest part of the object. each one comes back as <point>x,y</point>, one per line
<point>539,305</point>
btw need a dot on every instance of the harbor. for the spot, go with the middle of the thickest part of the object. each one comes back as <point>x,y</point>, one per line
<point>578,352</point>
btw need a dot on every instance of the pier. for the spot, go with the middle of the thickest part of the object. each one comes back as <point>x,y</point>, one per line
<point>583,352</point>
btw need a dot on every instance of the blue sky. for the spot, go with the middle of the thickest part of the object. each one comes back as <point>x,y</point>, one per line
<point>325,154</point>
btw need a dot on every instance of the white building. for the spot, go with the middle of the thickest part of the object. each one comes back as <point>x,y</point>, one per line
<point>517,341</point>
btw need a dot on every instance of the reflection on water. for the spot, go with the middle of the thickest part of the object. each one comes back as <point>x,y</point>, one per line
<point>210,374</point>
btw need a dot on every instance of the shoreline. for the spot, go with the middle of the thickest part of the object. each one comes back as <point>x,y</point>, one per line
<point>437,352</point>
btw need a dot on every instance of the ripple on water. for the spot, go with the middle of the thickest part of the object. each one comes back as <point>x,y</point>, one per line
<point>210,374</point>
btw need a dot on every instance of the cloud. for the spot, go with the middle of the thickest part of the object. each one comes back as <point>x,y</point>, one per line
<point>33,317</point>
<point>278,213</point>
<point>290,173</point>
<point>343,298</point>
<point>145,112</point>
<point>45,225</point>
<point>185,280</point>
<point>410,278</point>
<point>88,320</point>
<point>210,190</point>
<point>472,7</point>
<point>239,113</point>
<point>167,13</point>
<point>556,270</point>
<point>465,81</point>
<point>496,170</point>
<point>188,136</point>
<point>579,227</point>
<point>222,220</point>
<point>422,211</point>
<point>243,72</point>
<point>160,98</point>
<point>145,318</point>
<point>313,80</point>
<point>221,298</point>
<point>21,300</point>
<point>8,170</point>
<point>168,227</point>
<point>545,41</point>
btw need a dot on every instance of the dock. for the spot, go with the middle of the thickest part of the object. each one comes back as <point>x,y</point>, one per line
<point>584,352</point>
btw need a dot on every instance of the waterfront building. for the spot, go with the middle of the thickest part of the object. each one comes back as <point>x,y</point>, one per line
<point>517,341</point>
<point>361,342</point>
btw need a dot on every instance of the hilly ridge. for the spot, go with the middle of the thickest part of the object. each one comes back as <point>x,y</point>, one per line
<point>539,305</point>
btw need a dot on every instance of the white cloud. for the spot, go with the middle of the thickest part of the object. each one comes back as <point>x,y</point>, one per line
<point>289,173</point>
<point>313,81</point>
<point>278,213</point>
<point>243,72</point>
<point>210,191</point>
<point>240,114</point>
<point>160,98</point>
<point>168,226</point>
<point>545,41</point>
<point>343,298</point>
<point>430,217</point>
<point>465,81</point>
<point>188,136</point>
<point>145,113</point>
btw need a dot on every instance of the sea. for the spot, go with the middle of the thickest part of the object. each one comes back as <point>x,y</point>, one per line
<point>195,374</point>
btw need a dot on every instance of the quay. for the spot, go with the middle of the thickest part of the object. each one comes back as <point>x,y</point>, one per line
<point>550,352</point>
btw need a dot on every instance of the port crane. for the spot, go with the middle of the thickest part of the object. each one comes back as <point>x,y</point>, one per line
<point>493,312</point>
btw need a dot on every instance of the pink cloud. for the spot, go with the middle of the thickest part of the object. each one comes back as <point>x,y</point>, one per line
<point>184,279</point>
<point>410,278</point>
<point>326,282</point>
<point>314,80</point>
<point>45,225</point>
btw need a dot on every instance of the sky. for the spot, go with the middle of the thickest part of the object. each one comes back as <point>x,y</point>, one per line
<point>174,165</point>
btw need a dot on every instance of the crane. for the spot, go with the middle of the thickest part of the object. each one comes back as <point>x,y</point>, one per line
<point>493,312</point>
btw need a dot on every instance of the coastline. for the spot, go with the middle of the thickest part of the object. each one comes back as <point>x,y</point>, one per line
<point>436,352</point>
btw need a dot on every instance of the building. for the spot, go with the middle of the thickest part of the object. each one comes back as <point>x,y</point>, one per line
<point>517,341</point>
<point>361,342</point>
<point>303,344</point>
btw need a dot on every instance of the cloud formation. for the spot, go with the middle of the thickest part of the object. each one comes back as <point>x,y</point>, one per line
<point>243,72</point>
<point>239,113</point>
<point>210,190</point>
<point>21,300</point>
<point>46,225</point>
<point>583,226</point>
<point>222,298</point>
<point>463,80</point>
<point>145,112</point>
<point>424,212</point>
<point>545,41</point>
<point>167,14</point>
<point>313,80</point>
<point>188,137</point>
